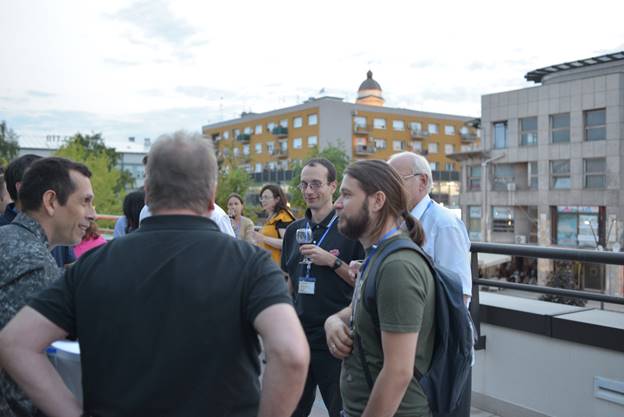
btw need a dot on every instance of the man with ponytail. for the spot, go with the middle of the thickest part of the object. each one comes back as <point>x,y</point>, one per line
<point>372,207</point>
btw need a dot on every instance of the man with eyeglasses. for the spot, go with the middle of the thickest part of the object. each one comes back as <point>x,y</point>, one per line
<point>323,287</point>
<point>446,238</point>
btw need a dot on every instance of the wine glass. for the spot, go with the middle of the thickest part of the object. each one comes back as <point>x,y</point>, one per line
<point>304,236</point>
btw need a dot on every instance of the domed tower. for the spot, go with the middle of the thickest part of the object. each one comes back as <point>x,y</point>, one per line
<point>370,92</point>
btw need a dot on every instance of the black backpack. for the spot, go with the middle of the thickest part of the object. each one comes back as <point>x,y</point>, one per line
<point>444,381</point>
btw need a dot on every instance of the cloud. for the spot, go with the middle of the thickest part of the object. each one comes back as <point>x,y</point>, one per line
<point>155,19</point>
<point>120,62</point>
<point>425,63</point>
<point>40,94</point>
<point>205,92</point>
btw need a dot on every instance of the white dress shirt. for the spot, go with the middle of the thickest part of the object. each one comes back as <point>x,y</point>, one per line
<point>218,216</point>
<point>446,239</point>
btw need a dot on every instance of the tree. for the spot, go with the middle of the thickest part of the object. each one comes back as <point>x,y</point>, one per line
<point>8,144</point>
<point>563,277</point>
<point>336,155</point>
<point>236,180</point>
<point>107,180</point>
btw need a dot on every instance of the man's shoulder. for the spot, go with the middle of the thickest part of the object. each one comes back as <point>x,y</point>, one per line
<point>444,217</point>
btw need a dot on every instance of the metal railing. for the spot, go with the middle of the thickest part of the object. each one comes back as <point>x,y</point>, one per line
<point>533,251</point>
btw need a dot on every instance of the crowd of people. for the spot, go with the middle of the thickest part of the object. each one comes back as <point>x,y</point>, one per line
<point>172,314</point>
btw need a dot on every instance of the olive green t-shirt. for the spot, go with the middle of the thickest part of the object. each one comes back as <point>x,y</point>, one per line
<point>405,304</point>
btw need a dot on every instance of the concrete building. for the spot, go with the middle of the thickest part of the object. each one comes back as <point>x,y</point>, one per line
<point>268,144</point>
<point>549,170</point>
<point>131,152</point>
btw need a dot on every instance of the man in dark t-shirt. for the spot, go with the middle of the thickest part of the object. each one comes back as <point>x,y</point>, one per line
<point>167,317</point>
<point>325,285</point>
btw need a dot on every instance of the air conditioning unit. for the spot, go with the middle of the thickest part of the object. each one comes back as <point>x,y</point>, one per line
<point>511,186</point>
<point>520,239</point>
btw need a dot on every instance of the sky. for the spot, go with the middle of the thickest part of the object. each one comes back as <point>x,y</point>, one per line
<point>147,67</point>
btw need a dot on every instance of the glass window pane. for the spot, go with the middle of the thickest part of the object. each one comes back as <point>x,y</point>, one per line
<point>528,123</point>
<point>596,133</point>
<point>598,165</point>
<point>560,167</point>
<point>567,229</point>
<point>561,183</point>
<point>500,135</point>
<point>595,117</point>
<point>559,121</point>
<point>559,136</point>
<point>595,181</point>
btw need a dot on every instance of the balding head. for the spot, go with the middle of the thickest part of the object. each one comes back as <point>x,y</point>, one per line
<point>416,173</point>
<point>181,173</point>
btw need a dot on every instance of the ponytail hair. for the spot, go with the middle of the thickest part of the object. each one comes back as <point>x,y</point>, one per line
<point>414,228</point>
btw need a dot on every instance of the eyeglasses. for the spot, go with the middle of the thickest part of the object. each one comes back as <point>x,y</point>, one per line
<point>407,177</point>
<point>314,185</point>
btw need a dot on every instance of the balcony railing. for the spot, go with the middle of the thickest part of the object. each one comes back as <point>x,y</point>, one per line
<point>243,137</point>
<point>468,136</point>
<point>280,153</point>
<point>364,150</point>
<point>280,131</point>
<point>361,129</point>
<point>418,134</point>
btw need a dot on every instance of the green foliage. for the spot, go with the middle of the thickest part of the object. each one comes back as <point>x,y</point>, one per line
<point>336,155</point>
<point>236,180</point>
<point>106,177</point>
<point>563,277</point>
<point>8,144</point>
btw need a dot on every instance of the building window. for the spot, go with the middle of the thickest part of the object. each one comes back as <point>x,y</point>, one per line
<point>297,142</point>
<point>560,128</point>
<point>258,148</point>
<point>449,166</point>
<point>474,223</point>
<point>359,122</point>
<point>312,120</point>
<point>258,129</point>
<point>312,141</point>
<point>397,145</point>
<point>272,166</point>
<point>560,175</point>
<point>283,144</point>
<point>236,152</point>
<point>465,148</point>
<point>226,134</point>
<point>577,226</point>
<point>248,130</point>
<point>500,135</point>
<point>474,178</point>
<point>380,144</point>
<point>449,148</point>
<point>533,175</point>
<point>433,128</point>
<point>398,125</point>
<point>449,130</point>
<point>416,127</point>
<point>432,147</point>
<point>595,173</point>
<point>379,123</point>
<point>434,166</point>
<point>502,219</point>
<point>236,133</point>
<point>503,177</point>
<point>258,168</point>
<point>417,146</point>
<point>595,124</point>
<point>270,148</point>
<point>271,126</point>
<point>246,149</point>
<point>297,122</point>
<point>528,131</point>
<point>284,123</point>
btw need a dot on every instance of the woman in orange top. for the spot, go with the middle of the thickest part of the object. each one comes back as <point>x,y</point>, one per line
<point>274,202</point>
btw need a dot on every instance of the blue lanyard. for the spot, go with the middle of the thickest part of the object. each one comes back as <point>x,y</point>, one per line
<point>358,284</point>
<point>331,223</point>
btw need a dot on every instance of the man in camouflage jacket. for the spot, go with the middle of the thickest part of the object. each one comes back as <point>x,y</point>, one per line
<point>56,199</point>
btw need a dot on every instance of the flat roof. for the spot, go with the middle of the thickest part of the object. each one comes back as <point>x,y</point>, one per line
<point>537,75</point>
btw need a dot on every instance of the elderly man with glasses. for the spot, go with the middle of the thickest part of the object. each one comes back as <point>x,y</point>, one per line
<point>322,282</point>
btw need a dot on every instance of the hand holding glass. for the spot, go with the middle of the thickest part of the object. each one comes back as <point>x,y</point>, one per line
<point>304,236</point>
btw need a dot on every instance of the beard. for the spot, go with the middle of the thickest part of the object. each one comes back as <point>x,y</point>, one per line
<point>353,228</point>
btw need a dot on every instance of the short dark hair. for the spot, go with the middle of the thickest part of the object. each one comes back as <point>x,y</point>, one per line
<point>49,174</point>
<point>331,169</point>
<point>132,205</point>
<point>277,191</point>
<point>15,172</point>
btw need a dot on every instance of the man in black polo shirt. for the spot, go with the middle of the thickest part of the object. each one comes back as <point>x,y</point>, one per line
<point>324,286</point>
<point>167,317</point>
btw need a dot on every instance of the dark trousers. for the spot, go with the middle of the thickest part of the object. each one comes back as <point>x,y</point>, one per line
<point>463,410</point>
<point>324,372</point>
